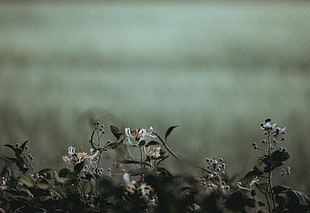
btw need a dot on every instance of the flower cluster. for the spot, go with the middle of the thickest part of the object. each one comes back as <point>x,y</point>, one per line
<point>135,136</point>
<point>139,181</point>
<point>78,157</point>
<point>142,189</point>
<point>273,136</point>
<point>214,180</point>
<point>153,152</point>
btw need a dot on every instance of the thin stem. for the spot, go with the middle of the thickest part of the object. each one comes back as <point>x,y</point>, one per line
<point>141,156</point>
<point>280,179</point>
<point>165,145</point>
<point>82,190</point>
<point>269,189</point>
<point>268,204</point>
<point>91,140</point>
<point>99,159</point>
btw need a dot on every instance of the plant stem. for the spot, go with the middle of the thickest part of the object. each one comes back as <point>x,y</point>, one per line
<point>165,145</point>
<point>141,156</point>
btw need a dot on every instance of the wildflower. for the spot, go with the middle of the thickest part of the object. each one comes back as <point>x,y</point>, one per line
<point>145,190</point>
<point>138,135</point>
<point>3,183</point>
<point>267,126</point>
<point>279,131</point>
<point>195,206</point>
<point>154,152</point>
<point>78,157</point>
<point>130,185</point>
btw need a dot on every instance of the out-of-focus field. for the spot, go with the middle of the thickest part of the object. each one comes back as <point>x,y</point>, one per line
<point>215,69</point>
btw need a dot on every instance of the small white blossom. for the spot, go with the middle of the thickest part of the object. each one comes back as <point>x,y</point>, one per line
<point>153,152</point>
<point>138,135</point>
<point>130,185</point>
<point>145,190</point>
<point>78,157</point>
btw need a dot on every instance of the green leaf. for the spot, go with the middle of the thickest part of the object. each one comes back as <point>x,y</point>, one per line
<point>86,186</point>
<point>263,187</point>
<point>169,130</point>
<point>78,167</point>
<point>42,186</point>
<point>115,131</point>
<point>152,143</point>
<point>246,180</point>
<point>26,180</point>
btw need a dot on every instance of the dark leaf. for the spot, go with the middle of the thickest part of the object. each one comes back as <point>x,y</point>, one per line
<point>280,189</point>
<point>86,187</point>
<point>295,198</point>
<point>164,172</point>
<point>186,188</point>
<point>24,145</point>
<point>280,200</point>
<point>141,143</point>
<point>115,131</point>
<point>238,201</point>
<point>112,145</point>
<point>78,167</point>
<point>47,173</point>
<point>152,143</point>
<point>262,187</point>
<point>276,159</point>
<point>106,187</point>
<point>133,162</point>
<point>63,172</point>
<point>10,146</point>
<point>169,130</point>
<point>138,171</point>
<point>43,186</point>
<point>162,158</point>
<point>246,180</point>
<point>11,159</point>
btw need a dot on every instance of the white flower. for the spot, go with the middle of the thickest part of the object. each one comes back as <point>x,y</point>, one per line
<point>268,126</point>
<point>154,152</point>
<point>78,157</point>
<point>130,185</point>
<point>71,150</point>
<point>145,189</point>
<point>138,135</point>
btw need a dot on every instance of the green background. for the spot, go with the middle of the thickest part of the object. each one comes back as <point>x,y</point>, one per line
<point>216,69</point>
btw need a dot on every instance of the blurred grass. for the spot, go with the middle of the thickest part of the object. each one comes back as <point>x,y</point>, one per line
<point>215,69</point>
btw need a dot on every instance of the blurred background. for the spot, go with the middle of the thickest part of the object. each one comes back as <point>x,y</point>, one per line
<point>216,69</point>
